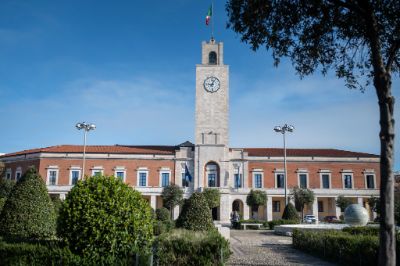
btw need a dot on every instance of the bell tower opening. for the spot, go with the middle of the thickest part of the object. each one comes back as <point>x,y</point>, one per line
<point>212,58</point>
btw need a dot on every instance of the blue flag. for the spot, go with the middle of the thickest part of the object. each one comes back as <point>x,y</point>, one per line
<point>187,174</point>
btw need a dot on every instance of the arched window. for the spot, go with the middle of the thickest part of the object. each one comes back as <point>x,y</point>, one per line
<point>212,173</point>
<point>212,58</point>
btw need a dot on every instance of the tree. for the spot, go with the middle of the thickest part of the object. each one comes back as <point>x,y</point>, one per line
<point>28,212</point>
<point>374,203</point>
<point>105,220</point>
<point>6,187</point>
<point>213,197</point>
<point>302,197</point>
<point>256,198</point>
<point>195,214</point>
<point>290,212</point>
<point>172,196</point>
<point>359,40</point>
<point>342,202</point>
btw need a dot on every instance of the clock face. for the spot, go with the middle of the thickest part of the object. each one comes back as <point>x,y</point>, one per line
<point>211,84</point>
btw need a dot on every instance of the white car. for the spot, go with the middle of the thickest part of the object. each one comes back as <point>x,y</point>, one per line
<point>309,219</point>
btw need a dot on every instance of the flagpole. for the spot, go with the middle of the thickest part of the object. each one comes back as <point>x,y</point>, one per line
<point>212,20</point>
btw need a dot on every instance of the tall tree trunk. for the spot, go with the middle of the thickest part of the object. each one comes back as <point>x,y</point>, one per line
<point>387,247</point>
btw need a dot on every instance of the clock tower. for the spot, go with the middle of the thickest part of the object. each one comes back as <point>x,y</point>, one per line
<point>212,96</point>
<point>212,112</point>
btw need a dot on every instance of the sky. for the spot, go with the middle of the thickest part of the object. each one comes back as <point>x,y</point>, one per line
<point>129,67</point>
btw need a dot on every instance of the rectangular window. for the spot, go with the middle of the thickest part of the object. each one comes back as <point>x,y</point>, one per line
<point>164,179</point>
<point>348,182</point>
<point>97,172</point>
<point>258,180</point>
<point>75,176</point>
<point>320,206</point>
<point>303,180</point>
<point>276,206</point>
<point>325,181</point>
<point>52,177</point>
<point>18,175</point>
<point>120,175</point>
<point>211,180</point>
<point>238,180</point>
<point>370,181</point>
<point>8,175</point>
<point>142,179</point>
<point>280,182</point>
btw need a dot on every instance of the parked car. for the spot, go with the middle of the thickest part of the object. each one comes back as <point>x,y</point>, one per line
<point>331,219</point>
<point>309,219</point>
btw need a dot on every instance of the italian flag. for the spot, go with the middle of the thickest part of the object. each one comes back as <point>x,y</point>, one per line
<point>209,15</point>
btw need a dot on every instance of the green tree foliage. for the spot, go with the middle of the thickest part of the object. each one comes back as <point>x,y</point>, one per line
<point>162,214</point>
<point>358,40</point>
<point>302,197</point>
<point>256,198</point>
<point>195,214</point>
<point>28,212</point>
<point>172,196</point>
<point>290,212</point>
<point>213,197</point>
<point>105,220</point>
<point>6,187</point>
<point>342,202</point>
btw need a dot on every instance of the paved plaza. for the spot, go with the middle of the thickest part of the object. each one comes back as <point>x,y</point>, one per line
<point>263,247</point>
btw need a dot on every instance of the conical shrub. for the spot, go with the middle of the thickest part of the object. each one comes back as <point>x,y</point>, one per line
<point>28,212</point>
<point>195,214</point>
<point>290,212</point>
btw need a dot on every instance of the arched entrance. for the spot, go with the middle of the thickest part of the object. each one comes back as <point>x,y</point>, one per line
<point>212,174</point>
<point>237,205</point>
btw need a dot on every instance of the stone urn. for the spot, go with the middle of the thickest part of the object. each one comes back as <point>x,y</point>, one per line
<point>356,215</point>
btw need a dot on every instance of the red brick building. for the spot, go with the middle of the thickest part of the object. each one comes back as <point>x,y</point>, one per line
<point>210,162</point>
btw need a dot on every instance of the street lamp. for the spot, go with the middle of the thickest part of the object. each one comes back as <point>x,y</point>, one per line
<point>283,130</point>
<point>86,127</point>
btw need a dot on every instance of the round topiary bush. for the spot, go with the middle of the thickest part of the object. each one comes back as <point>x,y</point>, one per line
<point>290,212</point>
<point>163,214</point>
<point>28,212</point>
<point>105,220</point>
<point>195,214</point>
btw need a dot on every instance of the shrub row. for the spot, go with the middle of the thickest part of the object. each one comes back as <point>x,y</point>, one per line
<point>37,254</point>
<point>340,247</point>
<point>184,247</point>
<point>362,230</point>
<point>272,224</point>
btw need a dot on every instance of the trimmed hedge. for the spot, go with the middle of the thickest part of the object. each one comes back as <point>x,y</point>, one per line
<point>362,230</point>
<point>28,212</point>
<point>184,247</point>
<point>195,214</point>
<point>49,253</point>
<point>339,247</point>
<point>102,218</point>
<point>163,214</point>
<point>274,223</point>
<point>290,213</point>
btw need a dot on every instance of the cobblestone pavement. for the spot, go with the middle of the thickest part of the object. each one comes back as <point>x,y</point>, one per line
<point>263,247</point>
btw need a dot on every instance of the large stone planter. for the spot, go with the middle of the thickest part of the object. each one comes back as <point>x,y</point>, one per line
<point>356,215</point>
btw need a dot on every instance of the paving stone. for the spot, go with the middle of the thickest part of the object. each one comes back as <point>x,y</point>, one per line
<point>263,247</point>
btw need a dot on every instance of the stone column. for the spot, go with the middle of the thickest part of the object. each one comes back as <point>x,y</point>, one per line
<point>225,208</point>
<point>338,212</point>
<point>314,209</point>
<point>268,209</point>
<point>246,212</point>
<point>153,202</point>
<point>176,212</point>
<point>360,201</point>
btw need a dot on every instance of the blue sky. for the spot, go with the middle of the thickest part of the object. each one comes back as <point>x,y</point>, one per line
<point>129,67</point>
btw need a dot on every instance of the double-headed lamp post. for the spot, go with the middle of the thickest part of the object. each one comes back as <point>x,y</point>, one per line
<point>283,130</point>
<point>86,128</point>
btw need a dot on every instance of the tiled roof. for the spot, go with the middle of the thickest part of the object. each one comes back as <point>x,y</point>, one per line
<point>117,149</point>
<point>277,152</point>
